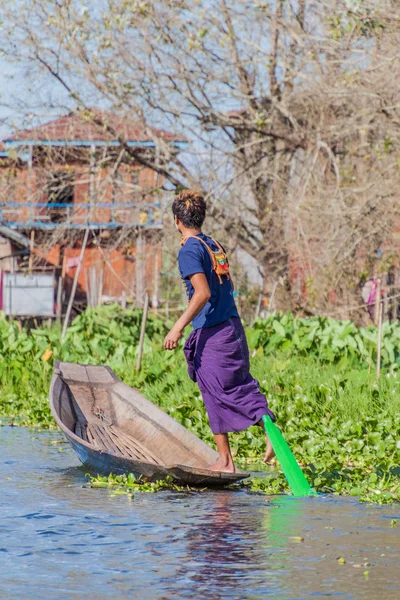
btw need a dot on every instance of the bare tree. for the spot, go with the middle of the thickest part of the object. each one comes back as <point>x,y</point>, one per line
<point>290,108</point>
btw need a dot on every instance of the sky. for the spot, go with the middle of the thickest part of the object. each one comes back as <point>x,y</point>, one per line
<point>16,90</point>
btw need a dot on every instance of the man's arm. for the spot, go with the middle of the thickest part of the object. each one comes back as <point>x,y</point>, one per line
<point>198,301</point>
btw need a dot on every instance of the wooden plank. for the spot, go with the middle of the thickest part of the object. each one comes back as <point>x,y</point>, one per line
<point>142,332</point>
<point>178,444</point>
<point>82,401</point>
<point>125,448</point>
<point>91,439</point>
<point>235,476</point>
<point>98,375</point>
<point>204,477</point>
<point>74,372</point>
<point>96,435</point>
<point>104,438</point>
<point>122,448</point>
<point>129,450</point>
<point>137,446</point>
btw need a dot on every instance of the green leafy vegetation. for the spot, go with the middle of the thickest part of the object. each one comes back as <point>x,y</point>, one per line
<point>341,423</point>
<point>326,339</point>
<point>129,484</point>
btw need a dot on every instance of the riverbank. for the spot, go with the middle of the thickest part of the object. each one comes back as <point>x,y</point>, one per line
<point>339,421</point>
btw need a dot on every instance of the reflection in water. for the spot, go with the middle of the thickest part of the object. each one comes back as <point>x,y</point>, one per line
<point>234,541</point>
<point>58,540</point>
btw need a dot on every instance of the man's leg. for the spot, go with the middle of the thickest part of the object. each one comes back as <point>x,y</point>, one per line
<point>269,451</point>
<point>225,461</point>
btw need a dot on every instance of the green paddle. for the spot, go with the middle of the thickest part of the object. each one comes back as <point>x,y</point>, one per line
<point>294,475</point>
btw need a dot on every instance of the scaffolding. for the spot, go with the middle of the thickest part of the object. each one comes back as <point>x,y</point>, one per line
<point>101,215</point>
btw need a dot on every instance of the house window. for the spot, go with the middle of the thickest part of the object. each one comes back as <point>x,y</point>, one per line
<point>60,191</point>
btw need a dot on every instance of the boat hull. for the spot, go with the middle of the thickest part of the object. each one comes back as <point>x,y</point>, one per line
<point>114,429</point>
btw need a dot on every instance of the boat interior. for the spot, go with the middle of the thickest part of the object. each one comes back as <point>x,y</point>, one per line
<point>94,405</point>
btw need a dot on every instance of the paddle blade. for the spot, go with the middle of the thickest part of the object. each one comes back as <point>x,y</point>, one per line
<point>294,475</point>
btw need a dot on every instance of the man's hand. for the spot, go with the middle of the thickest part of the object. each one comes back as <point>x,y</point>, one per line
<point>172,338</point>
<point>199,299</point>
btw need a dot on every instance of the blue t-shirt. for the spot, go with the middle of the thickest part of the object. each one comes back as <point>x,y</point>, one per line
<point>194,258</point>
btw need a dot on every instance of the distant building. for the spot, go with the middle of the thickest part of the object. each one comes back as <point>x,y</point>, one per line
<point>76,173</point>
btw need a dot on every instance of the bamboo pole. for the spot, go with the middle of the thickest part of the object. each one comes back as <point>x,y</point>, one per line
<point>139,271</point>
<point>142,331</point>
<point>93,287</point>
<point>379,343</point>
<point>156,281</point>
<point>75,284</point>
<point>61,288</point>
<point>59,299</point>
<point>377,301</point>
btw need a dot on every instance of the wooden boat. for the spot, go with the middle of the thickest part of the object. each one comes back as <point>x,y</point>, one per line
<point>114,429</point>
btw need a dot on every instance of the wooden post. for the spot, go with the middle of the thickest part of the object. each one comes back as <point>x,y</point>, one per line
<point>31,215</point>
<point>123,299</point>
<point>59,298</point>
<point>156,282</point>
<point>142,331</point>
<point>75,284</point>
<point>61,288</point>
<point>100,287</point>
<point>94,294</point>
<point>377,302</point>
<point>379,343</point>
<point>139,289</point>
<point>31,245</point>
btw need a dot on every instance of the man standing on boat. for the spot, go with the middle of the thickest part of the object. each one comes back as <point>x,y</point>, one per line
<point>216,351</point>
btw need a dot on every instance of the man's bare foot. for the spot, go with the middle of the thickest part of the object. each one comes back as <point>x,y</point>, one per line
<point>269,453</point>
<point>223,466</point>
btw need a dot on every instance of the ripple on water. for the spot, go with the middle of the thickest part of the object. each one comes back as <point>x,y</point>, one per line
<point>59,540</point>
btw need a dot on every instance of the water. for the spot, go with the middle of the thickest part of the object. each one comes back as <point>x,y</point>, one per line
<point>59,540</point>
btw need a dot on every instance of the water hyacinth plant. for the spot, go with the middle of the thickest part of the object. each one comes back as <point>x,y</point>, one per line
<point>340,422</point>
<point>327,339</point>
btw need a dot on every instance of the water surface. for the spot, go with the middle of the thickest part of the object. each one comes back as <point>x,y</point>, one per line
<point>60,540</point>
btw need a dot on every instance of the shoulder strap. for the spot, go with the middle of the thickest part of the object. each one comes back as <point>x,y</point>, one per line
<point>211,253</point>
<point>220,248</point>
